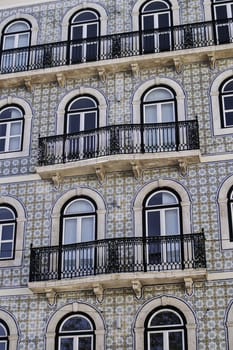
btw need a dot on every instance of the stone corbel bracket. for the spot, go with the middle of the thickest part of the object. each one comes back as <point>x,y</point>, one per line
<point>51,296</point>
<point>99,292</point>
<point>183,167</point>
<point>188,283</point>
<point>178,65</point>
<point>61,79</point>
<point>100,173</point>
<point>57,180</point>
<point>135,70</point>
<point>212,60</point>
<point>137,170</point>
<point>102,75</point>
<point>28,84</point>
<point>137,288</point>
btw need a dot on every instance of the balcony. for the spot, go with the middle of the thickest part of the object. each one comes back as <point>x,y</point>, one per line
<point>119,148</point>
<point>157,259</point>
<point>195,42</point>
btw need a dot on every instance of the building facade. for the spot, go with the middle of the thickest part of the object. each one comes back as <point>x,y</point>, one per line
<point>116,186</point>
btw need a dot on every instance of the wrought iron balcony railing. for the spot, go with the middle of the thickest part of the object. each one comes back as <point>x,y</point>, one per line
<point>119,255</point>
<point>194,35</point>
<point>119,139</point>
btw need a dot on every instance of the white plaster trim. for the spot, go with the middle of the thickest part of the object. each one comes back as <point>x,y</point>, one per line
<point>13,3</point>
<point>139,3</point>
<point>137,98</point>
<point>76,307</point>
<point>207,10</point>
<point>14,292</point>
<point>17,179</point>
<point>139,324</point>
<point>214,95</point>
<point>26,137</point>
<point>80,191</point>
<point>153,186</point>
<point>102,106</point>
<point>83,6</point>
<point>31,19</point>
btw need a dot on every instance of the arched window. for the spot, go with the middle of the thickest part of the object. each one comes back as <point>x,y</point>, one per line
<point>4,333</point>
<point>159,106</point>
<point>81,115</point>
<point>78,226</point>
<point>162,218</point>
<point>223,13</point>
<point>15,35</point>
<point>11,129</point>
<point>165,330</point>
<point>76,332</point>
<point>83,35</point>
<point>155,22</point>
<point>230,212</point>
<point>226,103</point>
<point>7,232</point>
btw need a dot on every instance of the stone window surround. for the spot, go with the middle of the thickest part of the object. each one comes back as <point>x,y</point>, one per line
<point>76,308</point>
<point>223,213</point>
<point>229,326</point>
<point>7,102</point>
<point>139,323</point>
<point>13,330</point>
<point>19,235</point>
<point>78,192</point>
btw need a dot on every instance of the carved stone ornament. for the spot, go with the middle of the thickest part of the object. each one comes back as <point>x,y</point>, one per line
<point>137,288</point>
<point>99,292</point>
<point>188,286</point>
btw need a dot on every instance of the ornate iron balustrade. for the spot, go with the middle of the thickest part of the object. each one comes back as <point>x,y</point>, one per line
<point>194,35</point>
<point>120,255</point>
<point>119,139</point>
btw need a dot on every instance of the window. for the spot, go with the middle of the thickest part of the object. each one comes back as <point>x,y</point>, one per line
<point>15,35</point>
<point>155,18</point>
<point>78,226</point>
<point>162,223</point>
<point>83,35</point>
<point>11,129</point>
<point>222,13</point>
<point>159,107</point>
<point>3,336</point>
<point>76,332</point>
<point>7,232</point>
<point>226,103</point>
<point>165,330</point>
<point>81,116</point>
<point>230,212</point>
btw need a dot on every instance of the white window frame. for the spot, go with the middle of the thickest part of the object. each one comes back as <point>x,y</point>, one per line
<point>9,123</point>
<point>224,213</point>
<point>10,222</point>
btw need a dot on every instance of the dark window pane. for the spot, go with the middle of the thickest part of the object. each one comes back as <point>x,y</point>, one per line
<point>10,113</point>
<point>228,102</point>
<point>175,341</point>
<point>66,344</point>
<point>229,118</point>
<point>90,121</point>
<point>92,30</point>
<point>165,318</point>
<point>155,6</point>
<point>156,341</point>
<point>85,17</point>
<point>76,324</point>
<point>2,145</point>
<point>6,214</point>
<point>85,343</point>
<point>77,33</point>
<point>221,12</point>
<point>2,129</point>
<point>7,232</point>
<point>74,123</point>
<point>2,331</point>
<point>6,250</point>
<point>157,199</point>
<point>153,222</point>
<point>223,34</point>
<point>82,103</point>
<point>148,22</point>
<point>229,86</point>
<point>3,345</point>
<point>163,20</point>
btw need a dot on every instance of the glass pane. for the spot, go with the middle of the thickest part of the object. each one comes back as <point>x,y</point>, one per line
<point>6,250</point>
<point>66,344</point>
<point>148,22</point>
<point>221,12</point>
<point>77,33</point>
<point>73,124</point>
<point>92,31</point>
<point>7,232</point>
<point>151,114</point>
<point>3,345</point>
<point>14,143</point>
<point>229,118</point>
<point>82,103</point>
<point>76,323</point>
<point>16,128</point>
<point>90,121</point>
<point>17,27</point>
<point>3,331</point>
<point>175,341</point>
<point>163,20</point>
<point>171,222</point>
<point>167,113</point>
<point>9,42</point>
<point>2,145</point>
<point>156,341</point>
<point>87,233</point>
<point>155,6</point>
<point>153,224</point>
<point>6,214</point>
<point>70,231</point>
<point>23,40</point>
<point>3,129</point>
<point>165,318</point>
<point>228,87</point>
<point>228,102</point>
<point>85,343</point>
<point>10,113</point>
<point>85,17</point>
<point>79,206</point>
<point>162,198</point>
<point>159,95</point>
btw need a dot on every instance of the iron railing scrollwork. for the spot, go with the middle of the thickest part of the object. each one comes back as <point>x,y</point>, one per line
<point>118,255</point>
<point>119,139</point>
<point>186,36</point>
